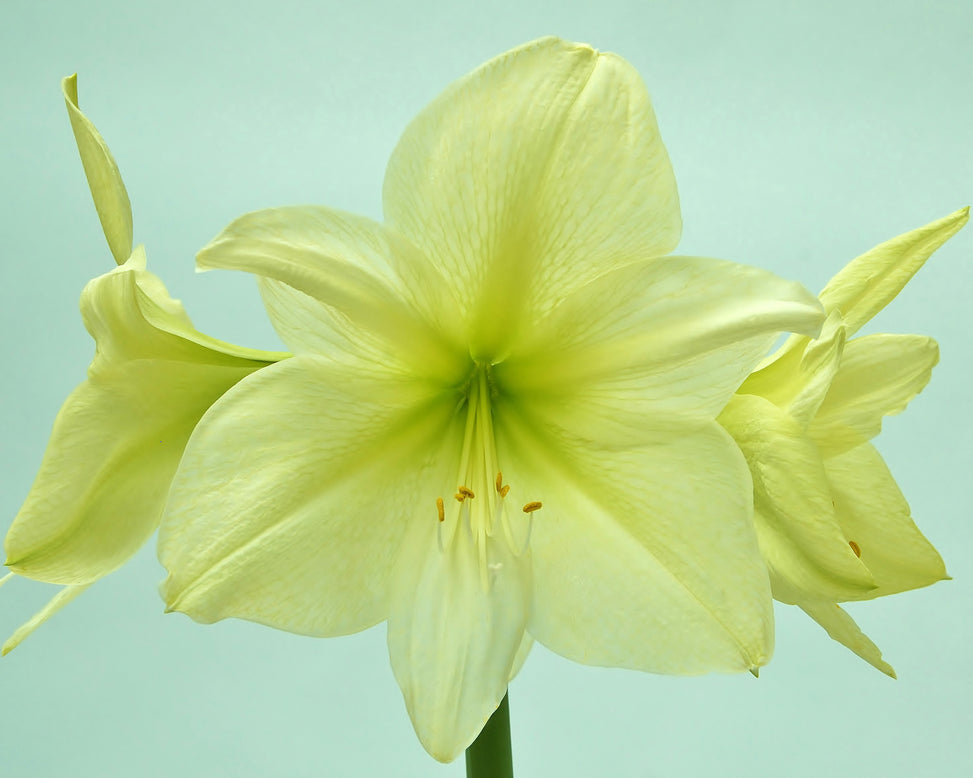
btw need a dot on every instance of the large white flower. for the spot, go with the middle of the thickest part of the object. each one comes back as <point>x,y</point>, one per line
<point>499,422</point>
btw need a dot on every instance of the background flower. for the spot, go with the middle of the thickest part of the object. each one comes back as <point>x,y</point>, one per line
<point>102,483</point>
<point>833,525</point>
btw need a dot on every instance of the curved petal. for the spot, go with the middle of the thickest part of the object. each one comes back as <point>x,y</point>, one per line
<point>58,601</point>
<point>842,627</point>
<point>453,641</point>
<point>293,496</point>
<point>643,558</point>
<point>526,644</point>
<point>535,173</point>
<point>653,346</point>
<point>364,286</point>
<point>117,440</point>
<point>878,376</point>
<point>874,514</point>
<point>870,282</point>
<point>104,180</point>
<point>131,316</point>
<point>798,382</point>
<point>794,516</point>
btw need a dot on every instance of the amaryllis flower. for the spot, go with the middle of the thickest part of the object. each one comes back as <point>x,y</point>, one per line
<point>831,521</point>
<point>119,436</point>
<point>499,422</point>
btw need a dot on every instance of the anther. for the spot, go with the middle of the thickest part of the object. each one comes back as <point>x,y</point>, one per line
<point>532,506</point>
<point>856,548</point>
<point>466,492</point>
<point>441,508</point>
<point>499,481</point>
<point>505,490</point>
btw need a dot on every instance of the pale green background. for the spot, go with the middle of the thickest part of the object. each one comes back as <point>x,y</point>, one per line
<point>801,135</point>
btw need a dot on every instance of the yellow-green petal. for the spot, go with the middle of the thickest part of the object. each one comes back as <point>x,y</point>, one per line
<point>364,286</point>
<point>800,537</point>
<point>842,627</point>
<point>878,376</point>
<point>652,346</point>
<point>538,171</point>
<point>799,380</point>
<point>116,442</point>
<point>454,638</point>
<point>870,282</point>
<point>526,644</point>
<point>294,493</point>
<point>58,601</point>
<point>104,180</point>
<point>874,514</point>
<point>632,551</point>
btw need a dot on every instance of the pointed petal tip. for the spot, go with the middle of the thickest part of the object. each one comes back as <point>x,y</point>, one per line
<point>755,671</point>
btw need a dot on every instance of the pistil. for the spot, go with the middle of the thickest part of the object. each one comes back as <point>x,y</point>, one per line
<point>481,494</point>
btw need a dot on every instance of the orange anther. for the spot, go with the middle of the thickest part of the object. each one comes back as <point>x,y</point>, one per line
<point>441,508</point>
<point>532,506</point>
<point>856,548</point>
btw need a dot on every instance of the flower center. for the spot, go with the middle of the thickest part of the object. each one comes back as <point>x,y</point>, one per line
<point>479,508</point>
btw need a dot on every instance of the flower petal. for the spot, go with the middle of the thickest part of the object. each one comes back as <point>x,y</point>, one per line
<point>453,641</point>
<point>799,381</point>
<point>870,282</point>
<point>293,495</point>
<point>535,173</point>
<point>799,535</point>
<point>58,601</point>
<point>526,644</point>
<point>874,514</point>
<point>842,627</point>
<point>364,286</point>
<point>633,551</point>
<point>654,345</point>
<point>117,440</point>
<point>104,180</point>
<point>878,376</point>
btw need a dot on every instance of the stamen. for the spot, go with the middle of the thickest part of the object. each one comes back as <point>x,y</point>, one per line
<point>465,492</point>
<point>505,490</point>
<point>441,509</point>
<point>499,483</point>
<point>533,506</point>
<point>856,548</point>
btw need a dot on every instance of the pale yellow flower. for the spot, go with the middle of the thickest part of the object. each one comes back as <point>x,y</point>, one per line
<point>119,436</point>
<point>499,422</point>
<point>831,521</point>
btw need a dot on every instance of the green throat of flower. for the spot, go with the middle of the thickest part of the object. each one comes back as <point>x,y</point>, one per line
<point>480,508</point>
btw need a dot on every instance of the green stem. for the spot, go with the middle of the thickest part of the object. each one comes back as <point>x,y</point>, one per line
<point>489,756</point>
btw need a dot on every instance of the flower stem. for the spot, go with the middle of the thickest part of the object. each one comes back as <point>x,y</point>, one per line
<point>489,756</point>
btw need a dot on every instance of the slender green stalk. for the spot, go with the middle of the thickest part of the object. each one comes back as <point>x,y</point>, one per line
<point>489,756</point>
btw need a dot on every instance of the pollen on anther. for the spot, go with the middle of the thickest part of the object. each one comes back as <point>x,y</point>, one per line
<point>441,508</point>
<point>465,492</point>
<point>499,482</point>
<point>505,490</point>
<point>532,506</point>
<point>856,548</point>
